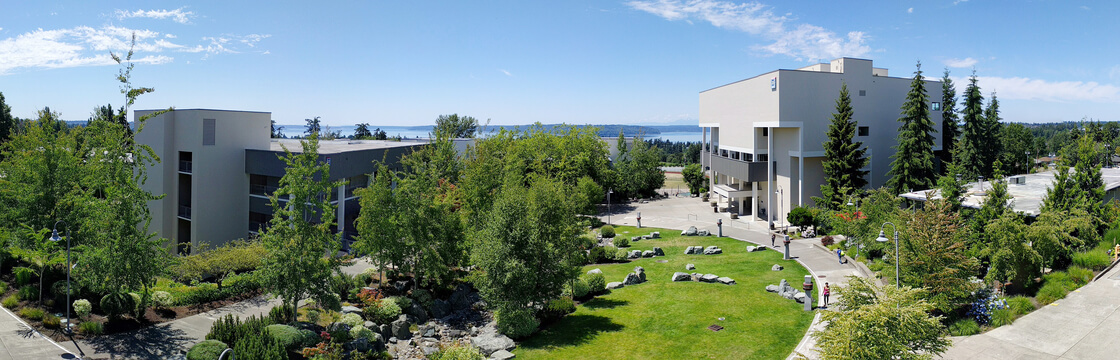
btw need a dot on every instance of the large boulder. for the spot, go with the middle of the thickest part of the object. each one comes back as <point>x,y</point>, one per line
<point>713,250</point>
<point>502,355</point>
<point>772,288</point>
<point>634,254</point>
<point>632,279</point>
<point>691,231</point>
<point>417,312</point>
<point>655,234</point>
<point>776,267</point>
<point>400,328</point>
<point>680,276</point>
<point>460,299</point>
<point>658,252</point>
<point>635,238</point>
<point>594,271</point>
<point>691,250</point>
<point>489,341</point>
<point>441,309</point>
<point>726,280</point>
<point>709,278</point>
<point>703,233</point>
<point>351,310</point>
<point>615,285</point>
<point>800,297</point>
<point>647,253</point>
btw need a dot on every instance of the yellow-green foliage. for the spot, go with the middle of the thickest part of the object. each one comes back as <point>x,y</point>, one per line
<point>11,301</point>
<point>235,256</point>
<point>1020,305</point>
<point>457,352</point>
<point>31,313</point>
<point>964,327</point>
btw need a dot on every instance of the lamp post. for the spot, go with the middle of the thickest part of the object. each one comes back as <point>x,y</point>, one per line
<point>609,192</point>
<point>883,238</point>
<point>55,238</point>
<point>780,192</point>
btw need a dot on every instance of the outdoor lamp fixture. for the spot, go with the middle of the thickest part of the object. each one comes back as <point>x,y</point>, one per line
<point>56,238</point>
<point>883,238</point>
<point>609,192</point>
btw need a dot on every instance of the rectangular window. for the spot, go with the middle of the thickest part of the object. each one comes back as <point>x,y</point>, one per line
<point>935,106</point>
<point>763,157</point>
<point>208,130</point>
<point>864,130</point>
<point>863,93</point>
<point>748,157</point>
<point>765,131</point>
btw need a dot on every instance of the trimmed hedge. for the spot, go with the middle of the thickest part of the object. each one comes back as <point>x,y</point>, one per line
<point>206,350</point>
<point>607,231</point>
<point>288,337</point>
<point>516,323</point>
<point>596,283</point>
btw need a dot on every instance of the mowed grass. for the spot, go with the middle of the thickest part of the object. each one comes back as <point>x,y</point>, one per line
<point>660,319</point>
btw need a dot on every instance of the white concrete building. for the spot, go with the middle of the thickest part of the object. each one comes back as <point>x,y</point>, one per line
<point>1026,191</point>
<point>764,135</point>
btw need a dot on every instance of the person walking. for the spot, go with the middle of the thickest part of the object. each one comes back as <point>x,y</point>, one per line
<point>840,256</point>
<point>826,290</point>
<point>772,237</point>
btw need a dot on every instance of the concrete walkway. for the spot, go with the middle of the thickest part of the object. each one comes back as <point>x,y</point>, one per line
<point>19,341</point>
<point>680,213</point>
<point>1083,325</point>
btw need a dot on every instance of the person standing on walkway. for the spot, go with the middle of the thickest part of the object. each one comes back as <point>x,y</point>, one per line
<point>772,237</point>
<point>840,256</point>
<point>826,289</point>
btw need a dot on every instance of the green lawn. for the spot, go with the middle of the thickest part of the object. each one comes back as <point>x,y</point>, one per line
<point>660,319</point>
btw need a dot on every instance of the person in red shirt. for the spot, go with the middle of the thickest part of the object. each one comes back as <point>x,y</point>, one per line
<point>826,289</point>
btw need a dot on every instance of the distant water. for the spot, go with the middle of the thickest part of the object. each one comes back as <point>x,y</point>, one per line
<point>412,132</point>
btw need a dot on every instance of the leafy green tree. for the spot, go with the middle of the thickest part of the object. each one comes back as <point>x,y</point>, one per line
<point>862,223</point>
<point>639,170</point>
<point>527,245</point>
<point>950,129</point>
<point>935,255</point>
<point>1012,257</point>
<point>875,322</point>
<point>362,132</point>
<point>692,153</point>
<point>844,158</point>
<point>800,217</point>
<point>7,122</point>
<point>1018,148</point>
<point>314,127</point>
<point>40,255</point>
<point>455,126</point>
<point>42,166</point>
<point>301,246</point>
<point>694,177</point>
<point>620,144</point>
<point>378,234</point>
<point>592,194</point>
<point>913,167</point>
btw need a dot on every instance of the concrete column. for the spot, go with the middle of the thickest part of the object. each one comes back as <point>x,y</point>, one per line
<point>770,176</point>
<point>341,209</point>
<point>801,166</point>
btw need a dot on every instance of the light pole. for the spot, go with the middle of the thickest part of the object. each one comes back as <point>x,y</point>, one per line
<point>55,238</point>
<point>780,192</point>
<point>609,192</point>
<point>883,238</point>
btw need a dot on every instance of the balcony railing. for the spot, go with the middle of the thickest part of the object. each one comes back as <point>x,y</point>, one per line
<point>185,166</point>
<point>185,212</point>
<point>265,190</point>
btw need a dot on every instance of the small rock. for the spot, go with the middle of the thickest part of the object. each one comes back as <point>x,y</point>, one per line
<point>428,350</point>
<point>647,253</point>
<point>614,285</point>
<point>703,233</point>
<point>631,279</point>
<point>776,267</point>
<point>658,252</point>
<point>431,330</point>
<point>645,237</point>
<point>680,276</point>
<point>634,254</point>
<point>713,250</point>
<point>370,325</point>
<point>490,341</point>
<point>800,297</point>
<point>772,288</point>
<point>750,248</point>
<point>758,248</point>
<point>351,310</point>
<point>400,328</point>
<point>691,231</point>
<point>594,271</point>
<point>690,267</point>
<point>635,238</point>
<point>709,278</point>
<point>726,280</point>
<point>655,234</point>
<point>502,355</point>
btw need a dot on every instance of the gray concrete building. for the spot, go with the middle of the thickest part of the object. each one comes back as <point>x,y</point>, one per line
<point>218,167</point>
<point>764,135</point>
<point>1026,191</point>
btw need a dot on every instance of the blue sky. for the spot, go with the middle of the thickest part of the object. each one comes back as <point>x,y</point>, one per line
<point>518,62</point>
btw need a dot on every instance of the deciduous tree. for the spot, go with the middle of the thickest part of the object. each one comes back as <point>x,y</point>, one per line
<point>455,126</point>
<point>875,322</point>
<point>935,256</point>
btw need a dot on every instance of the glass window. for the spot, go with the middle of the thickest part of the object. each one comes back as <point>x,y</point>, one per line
<point>864,130</point>
<point>935,106</point>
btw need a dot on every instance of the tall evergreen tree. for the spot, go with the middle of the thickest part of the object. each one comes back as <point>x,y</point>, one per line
<point>913,166</point>
<point>993,144</point>
<point>973,133</point>
<point>843,157</point>
<point>950,130</point>
<point>7,122</point>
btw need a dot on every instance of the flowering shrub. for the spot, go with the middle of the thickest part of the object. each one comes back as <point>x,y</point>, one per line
<point>985,302</point>
<point>82,307</point>
<point>827,240</point>
<point>370,296</point>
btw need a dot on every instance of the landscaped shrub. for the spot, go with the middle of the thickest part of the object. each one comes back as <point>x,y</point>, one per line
<point>1051,292</point>
<point>800,217</point>
<point>596,283</point>
<point>556,309</point>
<point>194,295</point>
<point>360,332</point>
<point>239,284</point>
<point>383,312</point>
<point>352,320</point>
<point>3,287</point>
<point>621,242</point>
<point>576,289</point>
<point>137,302</point>
<point>90,328</point>
<point>288,337</point>
<point>29,293</point>
<point>422,297</point>
<point>827,240</point>
<point>620,255</point>
<point>206,350</point>
<point>233,257</point>
<point>402,302</point>
<point>51,322</point>
<point>1020,305</point>
<point>607,231</point>
<point>516,323</point>
<point>281,314</point>
<point>964,327</point>
<point>984,302</point>
<point>1093,259</point>
<point>230,329</point>
<point>162,299</point>
<point>11,302</point>
<point>1001,317</point>
<point>117,304</point>
<point>596,255</point>
<point>58,291</point>
<point>31,313</point>
<point>457,352</point>
<point>1080,275</point>
<point>23,275</point>
<point>259,346</point>
<point>82,308</point>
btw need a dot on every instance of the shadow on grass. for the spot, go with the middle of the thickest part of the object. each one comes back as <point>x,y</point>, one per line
<point>601,303</point>
<point>573,330</point>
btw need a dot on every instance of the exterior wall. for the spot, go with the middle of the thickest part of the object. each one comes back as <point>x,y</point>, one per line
<point>220,186</point>
<point>796,113</point>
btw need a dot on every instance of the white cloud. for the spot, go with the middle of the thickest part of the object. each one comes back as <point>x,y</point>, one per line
<point>87,46</point>
<point>177,15</point>
<point>801,41</point>
<point>961,63</point>
<point>266,52</point>
<point>959,1</point>
<point>1021,88</point>
<point>910,11</point>
<point>505,72</point>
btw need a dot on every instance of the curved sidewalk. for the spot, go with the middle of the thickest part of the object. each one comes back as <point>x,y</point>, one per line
<point>19,341</point>
<point>680,213</point>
